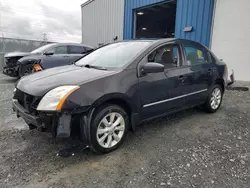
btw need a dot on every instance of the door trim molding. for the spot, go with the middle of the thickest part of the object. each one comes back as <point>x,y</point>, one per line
<point>175,98</point>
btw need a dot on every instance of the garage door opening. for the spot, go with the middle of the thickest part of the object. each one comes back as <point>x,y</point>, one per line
<point>157,21</point>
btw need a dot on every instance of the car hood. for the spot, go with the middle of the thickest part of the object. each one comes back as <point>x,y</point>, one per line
<point>16,54</point>
<point>31,57</point>
<point>40,83</point>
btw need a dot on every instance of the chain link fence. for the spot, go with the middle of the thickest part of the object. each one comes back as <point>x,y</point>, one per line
<point>1,60</point>
<point>17,45</point>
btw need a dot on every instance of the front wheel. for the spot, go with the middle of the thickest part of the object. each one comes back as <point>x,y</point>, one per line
<point>214,99</point>
<point>26,70</point>
<point>108,128</point>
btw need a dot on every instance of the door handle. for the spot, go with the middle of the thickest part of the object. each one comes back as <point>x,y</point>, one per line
<point>210,71</point>
<point>182,78</point>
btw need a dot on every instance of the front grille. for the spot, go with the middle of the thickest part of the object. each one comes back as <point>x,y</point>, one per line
<point>19,95</point>
<point>29,102</point>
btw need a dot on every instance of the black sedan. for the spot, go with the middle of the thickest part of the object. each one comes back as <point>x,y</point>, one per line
<point>115,88</point>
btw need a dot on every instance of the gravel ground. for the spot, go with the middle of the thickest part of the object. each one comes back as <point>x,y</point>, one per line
<point>187,149</point>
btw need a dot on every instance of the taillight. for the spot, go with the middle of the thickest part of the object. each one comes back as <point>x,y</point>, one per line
<point>37,67</point>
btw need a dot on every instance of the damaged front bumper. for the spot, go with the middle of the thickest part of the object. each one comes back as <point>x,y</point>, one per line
<point>60,125</point>
<point>11,71</point>
<point>22,112</point>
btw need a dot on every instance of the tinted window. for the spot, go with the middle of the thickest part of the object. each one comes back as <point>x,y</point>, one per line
<point>195,54</point>
<point>88,49</point>
<point>59,50</point>
<point>76,50</point>
<point>114,55</point>
<point>167,55</point>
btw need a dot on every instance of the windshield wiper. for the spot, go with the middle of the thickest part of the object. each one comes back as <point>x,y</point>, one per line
<point>74,62</point>
<point>94,67</point>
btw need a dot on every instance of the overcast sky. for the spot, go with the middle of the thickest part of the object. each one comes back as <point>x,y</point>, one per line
<point>60,20</point>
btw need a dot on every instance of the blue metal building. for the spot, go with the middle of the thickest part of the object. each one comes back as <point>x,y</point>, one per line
<point>219,24</point>
<point>197,14</point>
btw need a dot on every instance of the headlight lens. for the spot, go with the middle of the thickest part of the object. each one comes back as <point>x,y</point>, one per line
<point>54,99</point>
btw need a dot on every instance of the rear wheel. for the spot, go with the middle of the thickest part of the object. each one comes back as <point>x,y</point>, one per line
<point>214,99</point>
<point>108,129</point>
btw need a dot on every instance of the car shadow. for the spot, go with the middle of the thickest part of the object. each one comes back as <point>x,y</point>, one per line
<point>169,120</point>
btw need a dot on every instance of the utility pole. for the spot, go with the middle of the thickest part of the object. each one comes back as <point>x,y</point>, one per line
<point>45,38</point>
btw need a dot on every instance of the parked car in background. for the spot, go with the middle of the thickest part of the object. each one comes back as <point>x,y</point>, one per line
<point>118,86</point>
<point>18,64</point>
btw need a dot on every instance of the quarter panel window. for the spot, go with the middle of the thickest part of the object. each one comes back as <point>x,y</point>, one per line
<point>209,57</point>
<point>76,50</point>
<point>167,55</point>
<point>195,55</point>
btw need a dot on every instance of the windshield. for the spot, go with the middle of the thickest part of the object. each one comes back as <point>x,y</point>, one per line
<point>114,55</point>
<point>42,49</point>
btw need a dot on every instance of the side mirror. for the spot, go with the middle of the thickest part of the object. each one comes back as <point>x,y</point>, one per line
<point>48,53</point>
<point>152,68</point>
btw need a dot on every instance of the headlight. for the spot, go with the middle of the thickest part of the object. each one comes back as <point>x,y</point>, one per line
<point>54,99</point>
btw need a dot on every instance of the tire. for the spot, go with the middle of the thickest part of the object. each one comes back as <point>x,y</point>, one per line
<point>114,135</point>
<point>213,103</point>
<point>27,69</point>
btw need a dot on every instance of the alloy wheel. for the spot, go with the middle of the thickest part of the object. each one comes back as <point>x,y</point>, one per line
<point>215,99</point>
<point>110,130</point>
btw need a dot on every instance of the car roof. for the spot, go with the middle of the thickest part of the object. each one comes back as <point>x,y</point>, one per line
<point>73,44</point>
<point>150,40</point>
<point>165,40</point>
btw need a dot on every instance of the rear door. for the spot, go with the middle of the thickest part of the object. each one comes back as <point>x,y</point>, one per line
<point>201,72</point>
<point>76,52</point>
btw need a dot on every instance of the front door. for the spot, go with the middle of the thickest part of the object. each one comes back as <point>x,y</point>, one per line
<point>162,92</point>
<point>60,57</point>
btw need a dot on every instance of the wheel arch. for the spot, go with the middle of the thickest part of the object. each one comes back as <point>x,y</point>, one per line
<point>116,98</point>
<point>221,82</point>
<point>121,100</point>
<point>24,64</point>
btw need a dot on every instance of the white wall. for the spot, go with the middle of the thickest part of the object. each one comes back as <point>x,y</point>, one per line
<point>231,35</point>
<point>102,21</point>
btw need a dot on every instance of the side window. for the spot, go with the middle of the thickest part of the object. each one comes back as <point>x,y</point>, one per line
<point>76,50</point>
<point>167,55</point>
<point>59,50</point>
<point>88,49</point>
<point>195,55</point>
